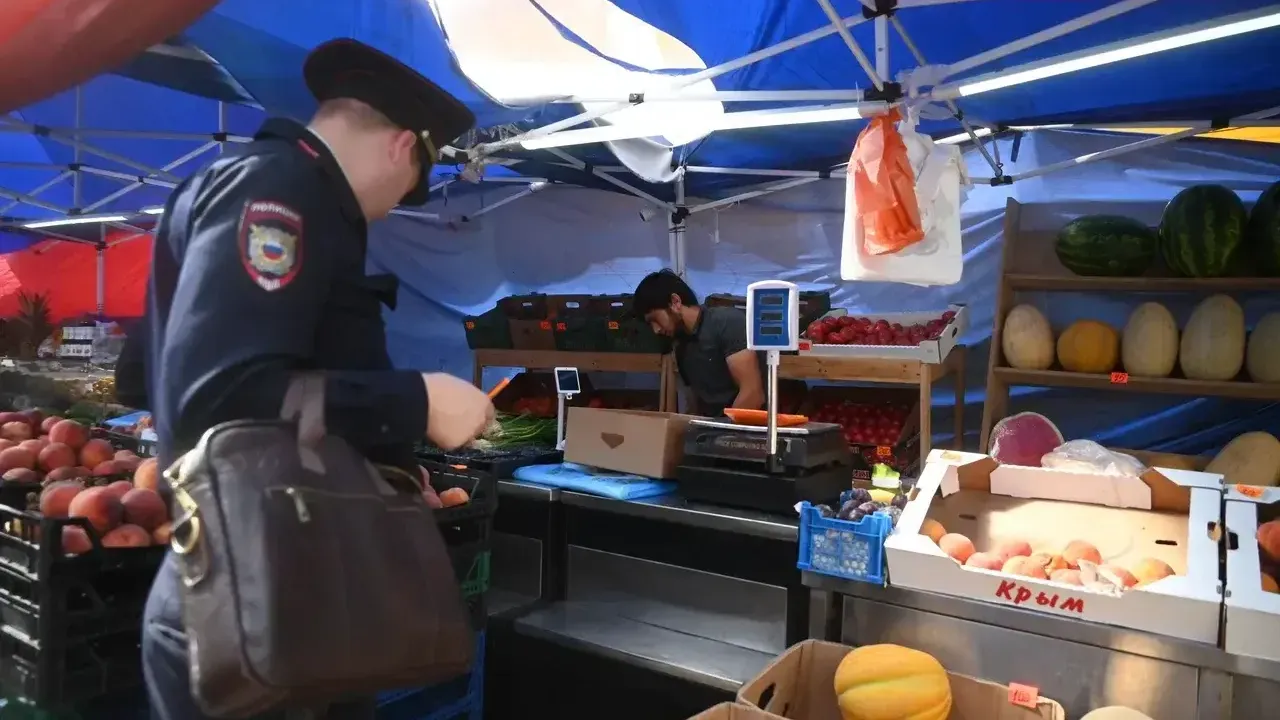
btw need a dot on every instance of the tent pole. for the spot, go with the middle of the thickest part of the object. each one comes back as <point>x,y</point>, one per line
<point>706,170</point>
<point>222,125</point>
<point>101,290</point>
<point>164,171</point>
<point>533,188</point>
<point>682,82</point>
<point>16,126</point>
<point>62,138</point>
<point>850,43</point>
<point>28,200</point>
<point>882,46</point>
<point>676,227</point>
<point>765,190</point>
<point>709,96</point>
<point>36,191</point>
<point>76,180</point>
<point>1045,35</point>
<point>579,164</point>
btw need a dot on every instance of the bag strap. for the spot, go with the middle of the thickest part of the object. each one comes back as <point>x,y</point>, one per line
<point>304,402</point>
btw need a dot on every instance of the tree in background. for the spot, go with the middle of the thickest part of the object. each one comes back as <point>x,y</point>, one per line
<point>31,326</point>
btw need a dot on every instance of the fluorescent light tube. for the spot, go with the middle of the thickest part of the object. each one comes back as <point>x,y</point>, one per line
<point>726,121</point>
<point>153,211</point>
<point>84,220</point>
<point>962,137</point>
<point>1126,52</point>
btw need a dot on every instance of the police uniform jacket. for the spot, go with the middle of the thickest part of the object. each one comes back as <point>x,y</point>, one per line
<point>258,272</point>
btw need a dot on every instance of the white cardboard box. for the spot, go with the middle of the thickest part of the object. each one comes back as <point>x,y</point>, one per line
<point>928,351</point>
<point>1166,514</point>
<point>1253,615</point>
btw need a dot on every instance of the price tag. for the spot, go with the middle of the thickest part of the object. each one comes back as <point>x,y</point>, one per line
<point>805,345</point>
<point>1024,695</point>
<point>545,325</point>
<point>561,327</point>
<point>1119,378</point>
<point>470,325</point>
<point>1249,491</point>
<point>884,451</point>
<point>613,325</point>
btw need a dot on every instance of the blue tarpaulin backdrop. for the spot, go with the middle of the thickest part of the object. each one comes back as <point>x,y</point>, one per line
<point>567,239</point>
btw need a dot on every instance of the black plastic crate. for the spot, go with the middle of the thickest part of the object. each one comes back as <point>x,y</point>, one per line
<point>500,463</point>
<point>488,331</point>
<point>628,334</point>
<point>65,619</point>
<point>580,322</point>
<point>121,441</point>
<point>472,522</point>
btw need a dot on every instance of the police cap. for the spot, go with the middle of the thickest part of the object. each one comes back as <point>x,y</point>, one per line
<point>346,68</point>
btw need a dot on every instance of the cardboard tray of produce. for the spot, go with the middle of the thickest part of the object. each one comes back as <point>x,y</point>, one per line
<point>1252,611</point>
<point>868,415</point>
<point>800,685</point>
<point>1167,516</point>
<point>927,351</point>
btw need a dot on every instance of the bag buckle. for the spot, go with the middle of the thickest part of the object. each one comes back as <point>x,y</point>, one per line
<point>188,530</point>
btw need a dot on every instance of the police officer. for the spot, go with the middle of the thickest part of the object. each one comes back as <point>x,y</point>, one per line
<point>258,272</point>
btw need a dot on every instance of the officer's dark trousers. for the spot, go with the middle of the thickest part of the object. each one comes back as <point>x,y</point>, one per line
<point>164,658</point>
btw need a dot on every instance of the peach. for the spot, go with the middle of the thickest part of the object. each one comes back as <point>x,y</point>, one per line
<point>70,433</point>
<point>161,535</point>
<point>933,529</point>
<point>75,540</point>
<point>147,476</point>
<point>1078,550</point>
<point>6,444</point>
<point>1269,539</point>
<point>119,488</point>
<point>46,425</point>
<point>110,467</point>
<point>95,452</point>
<point>1012,548</point>
<point>956,545</point>
<point>454,497</point>
<point>145,508</point>
<point>1066,576</point>
<point>16,457</point>
<point>1149,570</point>
<point>127,460</point>
<point>1126,578</point>
<point>1049,561</point>
<point>56,498</point>
<point>56,455</point>
<point>35,445</point>
<point>1269,584</point>
<point>16,431</point>
<point>22,476</point>
<point>985,560</point>
<point>65,473</point>
<point>127,536</point>
<point>1025,567</point>
<point>102,509</point>
<point>8,417</point>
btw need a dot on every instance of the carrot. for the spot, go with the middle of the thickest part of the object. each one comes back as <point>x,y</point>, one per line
<point>761,417</point>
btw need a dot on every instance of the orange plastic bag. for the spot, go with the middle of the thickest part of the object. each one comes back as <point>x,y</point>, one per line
<point>884,188</point>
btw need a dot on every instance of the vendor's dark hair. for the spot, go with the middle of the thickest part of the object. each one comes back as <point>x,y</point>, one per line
<point>655,291</point>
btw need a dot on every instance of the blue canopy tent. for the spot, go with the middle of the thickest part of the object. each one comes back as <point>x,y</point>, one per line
<point>779,56</point>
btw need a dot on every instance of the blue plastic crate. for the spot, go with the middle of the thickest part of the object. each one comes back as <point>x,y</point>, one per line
<point>462,697</point>
<point>843,548</point>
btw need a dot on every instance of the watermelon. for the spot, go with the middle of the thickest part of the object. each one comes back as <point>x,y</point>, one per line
<point>1023,439</point>
<point>1106,246</point>
<point>1262,234</point>
<point>1202,231</point>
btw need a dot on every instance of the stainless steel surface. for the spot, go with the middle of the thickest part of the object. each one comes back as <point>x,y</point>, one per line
<point>595,628</point>
<point>516,564</point>
<point>1081,677</point>
<point>527,491</point>
<point>720,425</point>
<point>1252,699</point>
<point>1214,696</point>
<point>730,610</point>
<point>675,509</point>
<point>501,601</point>
<point>771,405</point>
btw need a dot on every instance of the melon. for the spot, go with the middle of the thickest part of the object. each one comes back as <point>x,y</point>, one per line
<point>1106,245</point>
<point>1250,459</point>
<point>1262,359</point>
<point>875,682</point>
<point>1149,346</point>
<point>1115,712</point>
<point>1027,339</point>
<point>1212,346</point>
<point>1023,439</point>
<point>1088,346</point>
<point>1262,233</point>
<point>1202,230</point>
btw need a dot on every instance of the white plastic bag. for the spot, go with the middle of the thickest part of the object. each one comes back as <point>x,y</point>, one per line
<point>938,258</point>
<point>1088,456</point>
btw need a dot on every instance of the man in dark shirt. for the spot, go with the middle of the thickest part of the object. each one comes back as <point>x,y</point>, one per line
<point>710,344</point>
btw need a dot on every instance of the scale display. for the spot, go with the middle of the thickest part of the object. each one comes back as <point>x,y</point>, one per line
<point>773,315</point>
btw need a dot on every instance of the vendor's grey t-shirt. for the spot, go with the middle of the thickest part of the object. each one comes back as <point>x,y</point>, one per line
<point>701,357</point>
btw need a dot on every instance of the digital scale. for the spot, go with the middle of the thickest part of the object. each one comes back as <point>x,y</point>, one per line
<point>766,467</point>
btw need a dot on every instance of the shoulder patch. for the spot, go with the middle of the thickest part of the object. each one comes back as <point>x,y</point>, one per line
<point>270,241</point>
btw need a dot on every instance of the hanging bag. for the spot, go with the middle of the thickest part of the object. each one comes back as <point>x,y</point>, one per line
<point>308,575</point>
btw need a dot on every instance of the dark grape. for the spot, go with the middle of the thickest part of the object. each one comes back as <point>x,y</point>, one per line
<point>899,501</point>
<point>859,496</point>
<point>847,510</point>
<point>826,511</point>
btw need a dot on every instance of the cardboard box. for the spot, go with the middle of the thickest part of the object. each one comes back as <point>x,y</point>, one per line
<point>1253,614</point>
<point>639,442</point>
<point>732,711</point>
<point>902,455</point>
<point>800,685</point>
<point>928,351</point>
<point>1172,515</point>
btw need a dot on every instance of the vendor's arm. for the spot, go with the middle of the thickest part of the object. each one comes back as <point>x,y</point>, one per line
<point>744,366</point>
<point>256,274</point>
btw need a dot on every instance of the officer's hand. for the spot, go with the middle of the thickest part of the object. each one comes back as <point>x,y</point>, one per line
<point>457,411</point>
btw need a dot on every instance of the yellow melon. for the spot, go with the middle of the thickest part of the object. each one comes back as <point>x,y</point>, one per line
<point>1212,346</point>
<point>1088,346</point>
<point>875,682</point>
<point>1149,347</point>
<point>1027,339</point>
